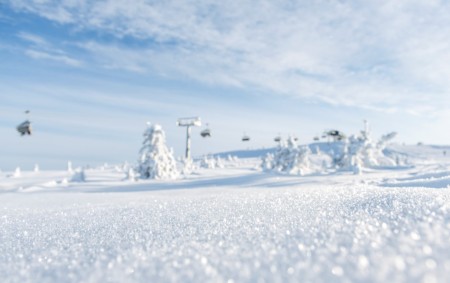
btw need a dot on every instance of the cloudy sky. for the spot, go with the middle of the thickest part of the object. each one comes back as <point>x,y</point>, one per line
<point>93,72</point>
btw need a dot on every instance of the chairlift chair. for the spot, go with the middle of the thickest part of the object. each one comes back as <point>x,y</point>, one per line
<point>335,134</point>
<point>245,138</point>
<point>206,133</point>
<point>277,138</point>
<point>24,128</point>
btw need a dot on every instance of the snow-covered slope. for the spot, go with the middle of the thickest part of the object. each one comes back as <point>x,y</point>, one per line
<point>230,224</point>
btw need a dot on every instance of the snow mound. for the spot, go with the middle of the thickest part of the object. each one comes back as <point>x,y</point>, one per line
<point>436,180</point>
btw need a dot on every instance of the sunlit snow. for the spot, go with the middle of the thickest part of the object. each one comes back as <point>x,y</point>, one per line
<point>233,223</point>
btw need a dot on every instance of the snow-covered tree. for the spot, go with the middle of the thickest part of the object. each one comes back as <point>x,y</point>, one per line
<point>130,175</point>
<point>362,152</point>
<point>289,158</point>
<point>219,163</point>
<point>156,159</point>
<point>79,176</point>
<point>209,163</point>
<point>187,166</point>
<point>17,173</point>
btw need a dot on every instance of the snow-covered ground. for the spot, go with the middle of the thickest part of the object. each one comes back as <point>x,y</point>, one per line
<point>231,224</point>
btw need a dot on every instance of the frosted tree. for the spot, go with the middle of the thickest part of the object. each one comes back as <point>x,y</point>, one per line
<point>289,158</point>
<point>78,176</point>
<point>267,162</point>
<point>69,167</point>
<point>156,159</point>
<point>362,152</point>
<point>17,173</point>
<point>130,175</point>
<point>209,163</point>
<point>188,166</point>
<point>219,163</point>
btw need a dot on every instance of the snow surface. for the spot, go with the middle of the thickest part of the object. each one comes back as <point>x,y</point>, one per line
<point>230,224</point>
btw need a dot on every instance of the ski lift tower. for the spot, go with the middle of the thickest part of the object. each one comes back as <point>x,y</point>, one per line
<point>188,123</point>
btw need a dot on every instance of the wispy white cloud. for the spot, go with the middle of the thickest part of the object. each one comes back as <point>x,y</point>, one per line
<point>34,39</point>
<point>41,55</point>
<point>384,55</point>
<point>41,49</point>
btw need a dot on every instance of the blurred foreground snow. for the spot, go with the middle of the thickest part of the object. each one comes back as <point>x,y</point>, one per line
<point>231,224</point>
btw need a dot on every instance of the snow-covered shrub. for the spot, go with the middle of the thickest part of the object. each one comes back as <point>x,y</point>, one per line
<point>78,176</point>
<point>17,173</point>
<point>130,175</point>
<point>267,162</point>
<point>219,163</point>
<point>292,159</point>
<point>125,166</point>
<point>232,158</point>
<point>232,161</point>
<point>187,166</point>
<point>208,163</point>
<point>361,151</point>
<point>69,167</point>
<point>156,159</point>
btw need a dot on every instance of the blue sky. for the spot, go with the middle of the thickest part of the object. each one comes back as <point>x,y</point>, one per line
<point>93,73</point>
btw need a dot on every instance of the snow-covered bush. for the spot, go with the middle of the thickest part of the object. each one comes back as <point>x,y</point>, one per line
<point>17,173</point>
<point>362,152</point>
<point>292,159</point>
<point>187,166</point>
<point>219,163</point>
<point>267,162</point>
<point>232,158</point>
<point>156,159</point>
<point>208,163</point>
<point>130,175</point>
<point>350,154</point>
<point>125,166</point>
<point>78,176</point>
<point>232,161</point>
